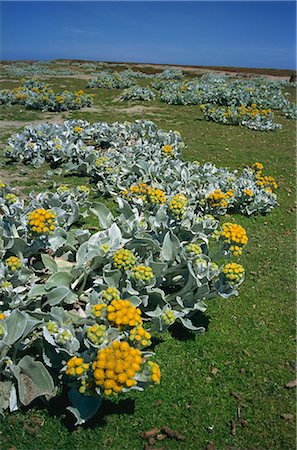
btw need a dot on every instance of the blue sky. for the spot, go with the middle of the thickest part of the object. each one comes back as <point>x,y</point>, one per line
<point>245,34</point>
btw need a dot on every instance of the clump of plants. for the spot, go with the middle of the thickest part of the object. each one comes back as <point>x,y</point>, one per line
<point>37,95</point>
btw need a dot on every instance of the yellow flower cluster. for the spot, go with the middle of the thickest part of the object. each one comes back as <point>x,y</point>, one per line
<point>167,149</point>
<point>235,235</point>
<point>123,259</point>
<point>218,199</point>
<point>2,185</point>
<point>144,273</point>
<point>98,309</point>
<point>76,367</point>
<point>11,198</point>
<point>59,99</point>
<point>52,327</point>
<point>177,205</point>
<point>63,188</point>
<point>140,335</point>
<point>13,263</point>
<point>105,248</point>
<point>168,317</point>
<point>64,337</point>
<point>83,188</point>
<point>2,316</point>
<point>253,111</point>
<point>257,167</point>
<point>194,248</point>
<point>96,333</point>
<point>110,294</point>
<point>146,193</point>
<point>6,285</point>
<point>248,193</point>
<point>101,161</point>
<point>42,221</point>
<point>116,366</point>
<point>155,372</point>
<point>266,182</point>
<point>123,313</point>
<point>77,129</point>
<point>233,272</point>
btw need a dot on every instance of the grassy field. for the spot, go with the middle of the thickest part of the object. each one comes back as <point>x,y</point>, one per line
<point>226,386</point>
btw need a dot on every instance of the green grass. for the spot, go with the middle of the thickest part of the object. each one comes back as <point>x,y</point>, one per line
<point>250,339</point>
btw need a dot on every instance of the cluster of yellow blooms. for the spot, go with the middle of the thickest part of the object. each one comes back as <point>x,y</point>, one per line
<point>110,294</point>
<point>123,259</point>
<point>253,111</point>
<point>76,367</point>
<point>13,263</point>
<point>248,193</point>
<point>177,205</point>
<point>140,335</point>
<point>257,167</point>
<point>123,313</point>
<point>168,317</point>
<point>146,193</point>
<point>98,309</point>
<point>235,235</point>
<point>64,336</point>
<point>266,182</point>
<point>63,188</point>
<point>96,333</point>
<point>2,185</point>
<point>42,221</point>
<point>217,198</point>
<point>116,366</point>
<point>77,129</point>
<point>155,372</point>
<point>194,248</point>
<point>11,198</point>
<point>6,285</point>
<point>167,149</point>
<point>83,188</point>
<point>52,327</point>
<point>144,273</point>
<point>233,272</point>
<point>105,248</point>
<point>101,161</point>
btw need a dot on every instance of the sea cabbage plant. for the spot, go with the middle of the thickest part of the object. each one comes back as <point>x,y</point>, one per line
<point>71,301</point>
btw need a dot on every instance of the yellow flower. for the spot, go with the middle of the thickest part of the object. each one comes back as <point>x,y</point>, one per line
<point>148,194</point>
<point>123,259</point>
<point>235,236</point>
<point>76,367</point>
<point>177,205</point>
<point>248,193</point>
<point>96,333</point>
<point>116,367</point>
<point>13,263</point>
<point>233,272</point>
<point>155,372</point>
<point>122,313</point>
<point>143,273</point>
<point>167,149</point>
<point>42,221</point>
<point>77,129</point>
<point>168,317</point>
<point>140,336</point>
